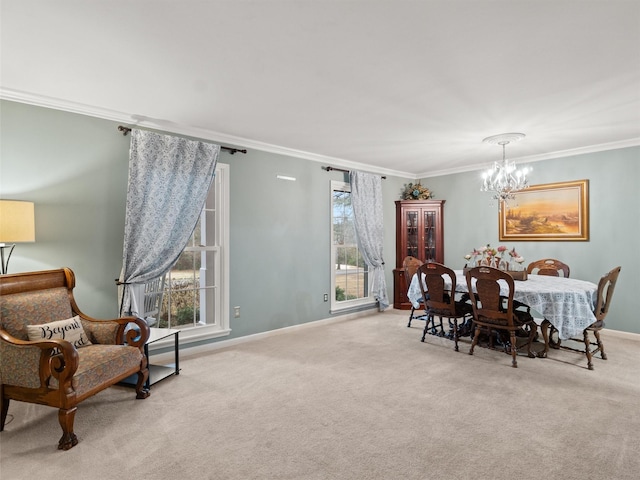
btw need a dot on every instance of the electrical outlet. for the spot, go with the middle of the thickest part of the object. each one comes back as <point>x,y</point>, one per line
<point>236,312</point>
<point>326,297</point>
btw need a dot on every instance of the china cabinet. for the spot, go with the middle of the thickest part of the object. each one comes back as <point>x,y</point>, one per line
<point>419,233</point>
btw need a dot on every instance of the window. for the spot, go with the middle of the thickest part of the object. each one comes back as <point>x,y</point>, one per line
<point>195,297</point>
<point>349,274</point>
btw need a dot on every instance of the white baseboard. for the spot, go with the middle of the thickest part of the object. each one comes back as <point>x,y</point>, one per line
<point>187,351</point>
<point>621,334</point>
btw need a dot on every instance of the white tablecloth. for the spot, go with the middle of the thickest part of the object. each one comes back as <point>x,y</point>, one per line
<point>565,302</point>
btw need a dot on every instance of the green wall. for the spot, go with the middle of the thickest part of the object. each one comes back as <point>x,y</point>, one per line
<point>74,168</point>
<point>614,213</point>
<point>280,234</point>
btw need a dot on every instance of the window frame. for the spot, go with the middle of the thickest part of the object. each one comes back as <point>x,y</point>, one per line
<point>220,327</point>
<point>342,306</point>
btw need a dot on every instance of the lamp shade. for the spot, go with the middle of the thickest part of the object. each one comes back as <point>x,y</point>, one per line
<point>17,221</point>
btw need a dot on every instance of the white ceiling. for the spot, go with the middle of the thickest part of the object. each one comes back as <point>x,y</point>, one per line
<point>404,87</point>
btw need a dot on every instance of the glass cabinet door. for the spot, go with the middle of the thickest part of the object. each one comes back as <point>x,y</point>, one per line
<point>429,235</point>
<point>412,245</point>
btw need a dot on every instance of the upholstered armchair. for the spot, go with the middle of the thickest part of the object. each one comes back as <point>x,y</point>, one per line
<point>53,354</point>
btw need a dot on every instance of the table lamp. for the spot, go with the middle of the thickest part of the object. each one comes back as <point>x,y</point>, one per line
<point>17,224</point>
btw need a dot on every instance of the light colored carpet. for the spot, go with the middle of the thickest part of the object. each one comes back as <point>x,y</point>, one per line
<point>357,399</point>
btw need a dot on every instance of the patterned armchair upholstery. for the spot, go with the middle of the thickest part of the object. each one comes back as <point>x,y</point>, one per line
<point>53,371</point>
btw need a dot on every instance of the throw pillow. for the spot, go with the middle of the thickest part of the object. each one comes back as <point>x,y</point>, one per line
<point>69,329</point>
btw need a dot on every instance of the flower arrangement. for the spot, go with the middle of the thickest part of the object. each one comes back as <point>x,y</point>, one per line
<point>500,257</point>
<point>415,191</point>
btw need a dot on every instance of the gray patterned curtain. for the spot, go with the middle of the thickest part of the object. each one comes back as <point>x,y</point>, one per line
<point>169,178</point>
<point>366,199</point>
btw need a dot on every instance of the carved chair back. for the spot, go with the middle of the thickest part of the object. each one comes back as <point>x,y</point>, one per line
<point>548,266</point>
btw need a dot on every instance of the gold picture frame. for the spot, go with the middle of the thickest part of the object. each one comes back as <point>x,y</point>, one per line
<point>548,212</point>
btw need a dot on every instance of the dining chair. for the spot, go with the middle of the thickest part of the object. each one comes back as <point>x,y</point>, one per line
<point>441,302</point>
<point>548,266</point>
<point>410,266</point>
<point>495,311</point>
<point>606,286</point>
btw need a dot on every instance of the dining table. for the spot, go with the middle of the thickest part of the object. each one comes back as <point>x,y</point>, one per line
<point>566,303</point>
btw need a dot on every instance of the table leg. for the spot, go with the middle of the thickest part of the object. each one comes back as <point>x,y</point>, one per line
<point>177,350</point>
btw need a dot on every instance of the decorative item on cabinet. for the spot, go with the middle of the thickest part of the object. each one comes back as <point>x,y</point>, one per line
<point>419,233</point>
<point>416,192</point>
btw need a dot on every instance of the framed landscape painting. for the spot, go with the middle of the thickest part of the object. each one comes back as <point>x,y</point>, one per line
<point>553,211</point>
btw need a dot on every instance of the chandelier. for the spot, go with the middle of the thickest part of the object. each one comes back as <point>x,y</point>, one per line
<point>503,180</point>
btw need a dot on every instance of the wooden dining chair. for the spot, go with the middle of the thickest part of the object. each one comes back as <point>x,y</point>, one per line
<point>410,266</point>
<point>495,311</point>
<point>606,286</point>
<point>548,266</point>
<point>441,302</point>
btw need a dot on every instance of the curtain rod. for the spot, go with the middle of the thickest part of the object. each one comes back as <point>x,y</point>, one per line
<point>328,168</point>
<point>231,150</point>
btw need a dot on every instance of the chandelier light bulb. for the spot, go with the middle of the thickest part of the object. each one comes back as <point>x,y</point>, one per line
<point>504,179</point>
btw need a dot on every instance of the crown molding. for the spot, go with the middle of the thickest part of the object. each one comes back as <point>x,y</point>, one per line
<point>139,121</point>
<point>631,142</point>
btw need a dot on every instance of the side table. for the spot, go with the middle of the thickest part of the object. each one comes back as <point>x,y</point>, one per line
<point>158,372</point>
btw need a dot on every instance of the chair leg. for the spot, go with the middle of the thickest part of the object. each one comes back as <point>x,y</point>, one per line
<point>514,351</point>
<point>587,350</point>
<point>142,391</point>
<point>68,439</point>
<point>603,355</point>
<point>411,316</point>
<point>4,409</point>
<point>532,336</point>
<point>429,318</point>
<point>476,337</point>
<point>435,331</point>
<point>490,334</point>
<point>455,334</point>
<point>544,328</point>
